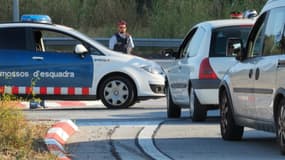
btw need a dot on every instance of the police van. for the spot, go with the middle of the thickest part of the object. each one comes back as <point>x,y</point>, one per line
<point>30,66</point>
<point>252,92</point>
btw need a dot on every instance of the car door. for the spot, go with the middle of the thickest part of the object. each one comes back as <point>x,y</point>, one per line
<point>58,70</point>
<point>242,75</point>
<point>16,59</point>
<point>272,60</point>
<point>241,85</point>
<point>178,74</point>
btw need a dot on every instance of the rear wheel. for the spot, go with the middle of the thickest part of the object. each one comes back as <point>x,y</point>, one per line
<point>117,92</point>
<point>173,110</point>
<point>281,126</point>
<point>229,129</point>
<point>198,112</point>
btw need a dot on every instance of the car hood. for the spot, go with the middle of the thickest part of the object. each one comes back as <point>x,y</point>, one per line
<point>132,60</point>
<point>129,58</point>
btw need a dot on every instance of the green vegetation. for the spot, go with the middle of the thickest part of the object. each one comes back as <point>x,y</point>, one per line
<point>146,18</point>
<point>19,138</point>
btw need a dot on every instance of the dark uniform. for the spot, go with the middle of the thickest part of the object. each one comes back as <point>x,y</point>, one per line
<point>122,43</point>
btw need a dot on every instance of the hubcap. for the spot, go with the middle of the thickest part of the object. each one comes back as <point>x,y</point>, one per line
<point>116,92</point>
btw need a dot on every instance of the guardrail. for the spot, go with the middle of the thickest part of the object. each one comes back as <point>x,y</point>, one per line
<point>139,42</point>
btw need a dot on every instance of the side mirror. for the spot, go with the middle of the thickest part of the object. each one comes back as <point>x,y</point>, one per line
<point>80,49</point>
<point>169,53</point>
<point>235,48</point>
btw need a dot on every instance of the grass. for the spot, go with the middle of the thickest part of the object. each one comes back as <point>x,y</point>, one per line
<point>19,138</point>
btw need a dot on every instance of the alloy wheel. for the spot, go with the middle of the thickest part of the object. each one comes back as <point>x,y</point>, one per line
<point>116,92</point>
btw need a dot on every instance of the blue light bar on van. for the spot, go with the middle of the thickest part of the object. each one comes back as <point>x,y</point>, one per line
<point>36,18</point>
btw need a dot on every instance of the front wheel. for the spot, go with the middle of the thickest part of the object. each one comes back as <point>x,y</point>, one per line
<point>117,92</point>
<point>229,129</point>
<point>173,110</point>
<point>281,126</point>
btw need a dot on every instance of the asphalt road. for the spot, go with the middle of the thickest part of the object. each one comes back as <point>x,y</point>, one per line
<point>143,132</point>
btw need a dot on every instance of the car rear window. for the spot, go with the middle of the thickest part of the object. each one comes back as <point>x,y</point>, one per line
<point>12,38</point>
<point>221,35</point>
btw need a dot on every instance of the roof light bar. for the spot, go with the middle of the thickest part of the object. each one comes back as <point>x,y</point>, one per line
<point>36,18</point>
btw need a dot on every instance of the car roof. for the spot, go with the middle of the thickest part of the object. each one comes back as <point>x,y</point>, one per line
<point>272,4</point>
<point>35,25</point>
<point>226,22</point>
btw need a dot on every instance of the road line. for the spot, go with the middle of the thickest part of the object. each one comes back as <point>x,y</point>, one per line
<point>145,140</point>
<point>62,104</point>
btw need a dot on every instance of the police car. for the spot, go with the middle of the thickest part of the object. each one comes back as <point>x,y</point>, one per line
<point>30,66</point>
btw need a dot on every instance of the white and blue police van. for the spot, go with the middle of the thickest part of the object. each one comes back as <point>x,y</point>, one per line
<point>87,70</point>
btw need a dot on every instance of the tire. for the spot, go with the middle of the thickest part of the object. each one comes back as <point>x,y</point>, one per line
<point>117,92</point>
<point>173,110</point>
<point>229,129</point>
<point>198,112</point>
<point>281,126</point>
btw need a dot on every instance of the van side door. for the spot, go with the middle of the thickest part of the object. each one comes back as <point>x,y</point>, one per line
<point>59,70</point>
<point>270,65</point>
<point>16,59</point>
<point>242,75</point>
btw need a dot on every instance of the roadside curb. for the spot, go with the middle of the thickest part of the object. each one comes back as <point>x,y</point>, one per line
<point>62,104</point>
<point>57,136</point>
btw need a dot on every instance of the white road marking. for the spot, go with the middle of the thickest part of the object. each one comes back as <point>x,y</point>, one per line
<point>145,137</point>
<point>145,140</point>
<point>57,104</point>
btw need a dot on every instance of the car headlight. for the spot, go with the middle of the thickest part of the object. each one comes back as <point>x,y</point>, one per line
<point>153,69</point>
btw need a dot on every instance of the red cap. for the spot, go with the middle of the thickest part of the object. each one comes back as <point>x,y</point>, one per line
<point>122,22</point>
<point>236,15</point>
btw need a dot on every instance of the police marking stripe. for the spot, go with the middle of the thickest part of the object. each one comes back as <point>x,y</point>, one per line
<point>45,90</point>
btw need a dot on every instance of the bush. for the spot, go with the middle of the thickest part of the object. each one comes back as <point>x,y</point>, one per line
<point>20,139</point>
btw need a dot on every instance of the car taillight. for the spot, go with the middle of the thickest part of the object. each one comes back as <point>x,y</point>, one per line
<point>206,71</point>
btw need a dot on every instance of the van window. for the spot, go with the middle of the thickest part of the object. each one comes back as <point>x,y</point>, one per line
<point>258,42</point>
<point>13,38</point>
<point>256,37</point>
<point>42,44</point>
<point>61,47</point>
<point>274,40</point>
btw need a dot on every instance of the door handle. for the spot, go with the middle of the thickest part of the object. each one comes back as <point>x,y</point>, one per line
<point>281,63</point>
<point>250,73</point>
<point>257,73</point>
<point>37,58</point>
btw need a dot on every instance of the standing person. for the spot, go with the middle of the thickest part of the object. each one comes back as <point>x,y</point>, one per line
<point>122,41</point>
